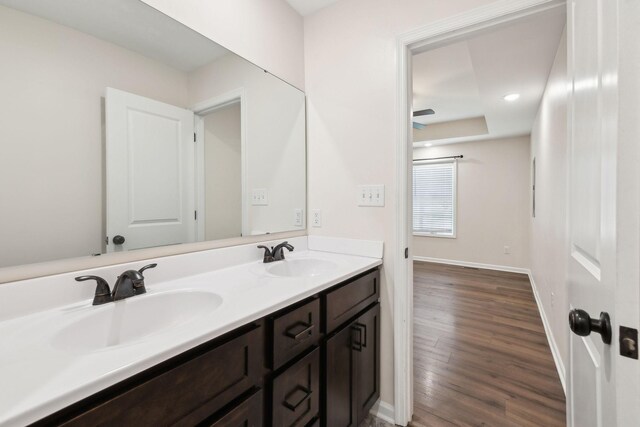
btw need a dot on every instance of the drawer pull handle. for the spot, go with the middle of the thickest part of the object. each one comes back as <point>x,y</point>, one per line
<point>300,336</point>
<point>294,406</point>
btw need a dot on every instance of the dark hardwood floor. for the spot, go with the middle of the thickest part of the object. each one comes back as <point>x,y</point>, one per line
<point>481,357</point>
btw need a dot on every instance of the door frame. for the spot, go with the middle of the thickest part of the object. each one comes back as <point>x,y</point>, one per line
<point>201,109</point>
<point>427,37</point>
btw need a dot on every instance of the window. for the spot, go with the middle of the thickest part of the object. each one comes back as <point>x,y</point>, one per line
<point>434,199</point>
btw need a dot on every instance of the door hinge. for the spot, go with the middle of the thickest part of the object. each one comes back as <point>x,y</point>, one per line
<point>194,137</point>
<point>195,215</point>
<point>406,253</point>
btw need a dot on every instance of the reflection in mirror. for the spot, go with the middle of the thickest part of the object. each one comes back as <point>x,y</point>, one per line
<point>123,129</point>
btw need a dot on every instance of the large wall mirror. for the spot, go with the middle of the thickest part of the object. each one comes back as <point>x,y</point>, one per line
<point>123,129</point>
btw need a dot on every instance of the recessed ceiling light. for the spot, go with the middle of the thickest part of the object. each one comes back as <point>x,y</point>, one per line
<point>428,144</point>
<point>511,97</point>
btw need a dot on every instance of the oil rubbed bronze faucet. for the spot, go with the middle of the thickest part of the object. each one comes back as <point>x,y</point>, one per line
<point>129,283</point>
<point>275,253</point>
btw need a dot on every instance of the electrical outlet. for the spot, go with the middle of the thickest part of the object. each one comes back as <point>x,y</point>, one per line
<point>297,217</point>
<point>259,197</point>
<point>316,218</point>
<point>370,195</point>
<point>507,250</point>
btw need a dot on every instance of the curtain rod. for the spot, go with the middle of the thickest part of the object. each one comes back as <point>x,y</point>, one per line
<point>439,158</point>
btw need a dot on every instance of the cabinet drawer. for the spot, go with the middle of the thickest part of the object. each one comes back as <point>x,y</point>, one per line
<point>348,300</point>
<point>294,332</point>
<point>296,392</point>
<point>188,393</point>
<point>246,414</point>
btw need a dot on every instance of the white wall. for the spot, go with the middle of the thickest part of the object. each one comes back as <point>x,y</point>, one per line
<point>350,69</point>
<point>223,173</point>
<point>51,165</point>
<point>493,203</point>
<point>549,237</point>
<point>268,33</point>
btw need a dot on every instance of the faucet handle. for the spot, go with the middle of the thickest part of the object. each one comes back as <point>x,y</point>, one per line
<point>103,292</point>
<point>268,255</point>
<point>147,267</point>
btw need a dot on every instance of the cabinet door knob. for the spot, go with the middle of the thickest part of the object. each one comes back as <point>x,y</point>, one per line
<point>118,240</point>
<point>582,324</point>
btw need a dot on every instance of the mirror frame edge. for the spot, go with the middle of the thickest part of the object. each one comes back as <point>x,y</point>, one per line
<point>67,265</point>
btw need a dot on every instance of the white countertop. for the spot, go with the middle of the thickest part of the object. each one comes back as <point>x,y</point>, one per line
<point>39,378</point>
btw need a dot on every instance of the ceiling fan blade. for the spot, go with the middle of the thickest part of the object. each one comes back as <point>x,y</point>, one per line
<point>426,112</point>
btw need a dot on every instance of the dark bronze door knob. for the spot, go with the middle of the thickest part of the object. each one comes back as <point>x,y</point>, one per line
<point>118,240</point>
<point>582,324</point>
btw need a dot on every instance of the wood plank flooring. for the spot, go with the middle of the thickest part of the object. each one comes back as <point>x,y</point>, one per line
<point>481,357</point>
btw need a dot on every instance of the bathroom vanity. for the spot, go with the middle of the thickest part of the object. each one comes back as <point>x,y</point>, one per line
<point>318,356</point>
<point>294,342</point>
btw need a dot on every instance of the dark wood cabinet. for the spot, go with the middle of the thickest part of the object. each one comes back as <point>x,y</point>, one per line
<point>367,361</point>
<point>187,393</point>
<point>347,300</point>
<point>339,375</point>
<point>294,331</point>
<point>314,363</point>
<point>246,414</point>
<point>352,370</point>
<point>296,392</point>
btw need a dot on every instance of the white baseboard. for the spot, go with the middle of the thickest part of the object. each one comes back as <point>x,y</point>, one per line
<point>545,322</point>
<point>550,338</point>
<point>473,264</point>
<point>384,411</point>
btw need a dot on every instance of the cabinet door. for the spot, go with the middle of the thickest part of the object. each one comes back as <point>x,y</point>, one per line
<point>339,380</point>
<point>366,349</point>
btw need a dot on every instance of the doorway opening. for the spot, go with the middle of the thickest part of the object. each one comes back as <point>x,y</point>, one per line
<point>221,185</point>
<point>474,87</point>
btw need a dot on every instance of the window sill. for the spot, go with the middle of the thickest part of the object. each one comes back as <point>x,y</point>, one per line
<point>442,236</point>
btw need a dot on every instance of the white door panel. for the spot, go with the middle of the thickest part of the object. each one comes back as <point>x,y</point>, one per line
<point>150,172</point>
<point>594,386</point>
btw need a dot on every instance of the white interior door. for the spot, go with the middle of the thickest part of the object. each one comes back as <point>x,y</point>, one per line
<point>150,168</point>
<point>596,384</point>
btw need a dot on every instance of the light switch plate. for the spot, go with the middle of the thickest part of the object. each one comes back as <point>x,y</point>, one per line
<point>316,218</point>
<point>297,217</point>
<point>259,197</point>
<point>370,195</point>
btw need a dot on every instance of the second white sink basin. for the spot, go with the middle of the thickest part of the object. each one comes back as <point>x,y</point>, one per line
<point>303,267</point>
<point>130,320</point>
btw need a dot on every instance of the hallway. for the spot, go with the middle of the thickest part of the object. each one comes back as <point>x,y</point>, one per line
<point>481,356</point>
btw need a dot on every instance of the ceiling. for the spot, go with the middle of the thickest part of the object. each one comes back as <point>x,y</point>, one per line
<point>468,79</point>
<point>132,25</point>
<point>307,7</point>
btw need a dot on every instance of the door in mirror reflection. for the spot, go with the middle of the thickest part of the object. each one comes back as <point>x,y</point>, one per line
<point>150,168</point>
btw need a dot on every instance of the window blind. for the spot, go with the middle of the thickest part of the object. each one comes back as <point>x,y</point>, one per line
<point>434,198</point>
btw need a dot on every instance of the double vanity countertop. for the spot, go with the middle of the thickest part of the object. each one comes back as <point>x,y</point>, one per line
<point>51,359</point>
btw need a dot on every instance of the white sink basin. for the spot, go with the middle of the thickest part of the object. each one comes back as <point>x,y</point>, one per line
<point>303,267</point>
<point>129,321</point>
